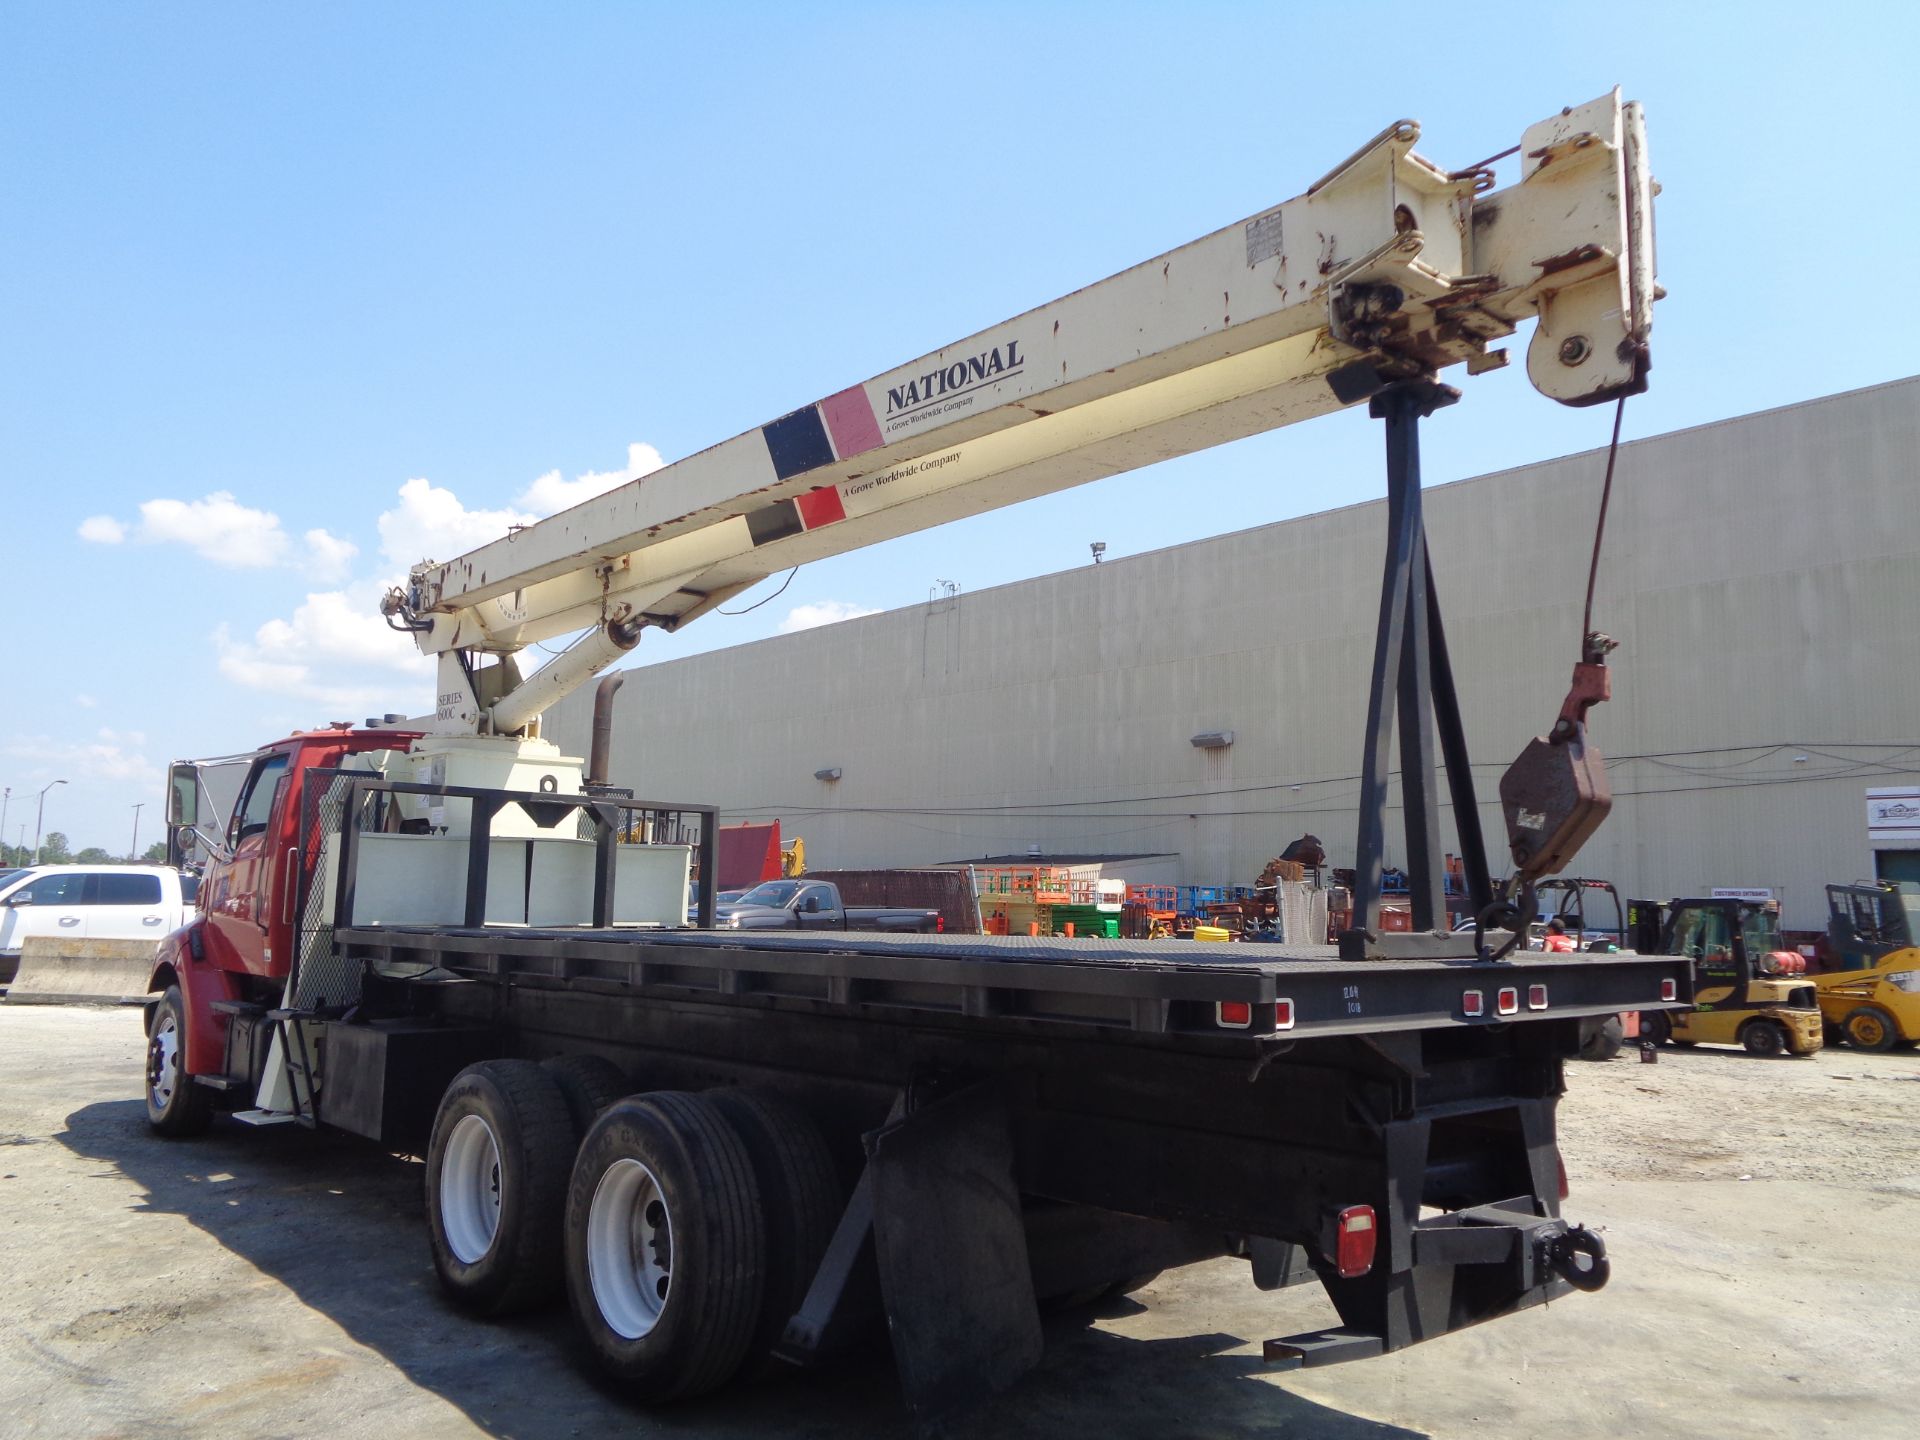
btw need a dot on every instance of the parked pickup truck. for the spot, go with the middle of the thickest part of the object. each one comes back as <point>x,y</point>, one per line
<point>815,905</point>
<point>90,902</point>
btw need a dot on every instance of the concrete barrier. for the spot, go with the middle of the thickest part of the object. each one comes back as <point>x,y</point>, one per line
<point>59,971</point>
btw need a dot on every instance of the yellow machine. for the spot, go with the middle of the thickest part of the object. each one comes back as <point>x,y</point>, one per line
<point>1873,1000</point>
<point>1747,990</point>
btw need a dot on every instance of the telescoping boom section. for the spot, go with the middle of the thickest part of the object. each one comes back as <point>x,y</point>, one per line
<point>1390,267</point>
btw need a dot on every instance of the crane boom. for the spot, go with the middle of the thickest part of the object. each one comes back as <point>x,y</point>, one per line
<point>1390,267</point>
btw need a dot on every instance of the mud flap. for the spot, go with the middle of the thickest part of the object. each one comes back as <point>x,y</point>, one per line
<point>952,1253</point>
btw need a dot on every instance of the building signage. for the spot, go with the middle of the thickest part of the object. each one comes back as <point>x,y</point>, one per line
<point>1893,814</point>
<point>1754,893</point>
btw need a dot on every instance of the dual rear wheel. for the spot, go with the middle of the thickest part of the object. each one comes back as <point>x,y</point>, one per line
<point>684,1228</point>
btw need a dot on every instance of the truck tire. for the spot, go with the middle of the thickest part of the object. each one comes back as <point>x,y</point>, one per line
<point>589,1084</point>
<point>176,1107</point>
<point>496,1183</point>
<point>666,1245</point>
<point>1601,1039</point>
<point>1869,1028</point>
<point>1764,1037</point>
<point>801,1200</point>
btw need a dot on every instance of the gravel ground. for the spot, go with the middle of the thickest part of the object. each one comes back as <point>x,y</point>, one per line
<point>1760,1213</point>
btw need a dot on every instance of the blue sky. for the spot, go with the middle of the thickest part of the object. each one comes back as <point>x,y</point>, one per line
<point>266,265</point>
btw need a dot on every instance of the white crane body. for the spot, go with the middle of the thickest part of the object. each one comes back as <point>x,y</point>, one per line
<point>1389,263</point>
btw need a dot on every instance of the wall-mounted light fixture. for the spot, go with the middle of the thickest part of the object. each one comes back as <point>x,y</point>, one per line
<point>1212,740</point>
<point>1099,549</point>
<point>832,772</point>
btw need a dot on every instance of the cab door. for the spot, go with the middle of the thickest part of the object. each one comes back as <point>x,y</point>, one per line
<point>1702,934</point>
<point>815,910</point>
<point>127,906</point>
<point>51,904</point>
<point>238,909</point>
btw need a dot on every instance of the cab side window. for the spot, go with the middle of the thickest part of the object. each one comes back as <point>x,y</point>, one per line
<point>127,890</point>
<point>63,889</point>
<point>256,801</point>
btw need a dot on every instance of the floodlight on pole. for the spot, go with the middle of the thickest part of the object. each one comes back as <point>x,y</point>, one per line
<point>39,812</point>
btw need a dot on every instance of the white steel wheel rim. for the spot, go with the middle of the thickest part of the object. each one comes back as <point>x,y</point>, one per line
<point>629,1249</point>
<point>163,1061</point>
<point>470,1189</point>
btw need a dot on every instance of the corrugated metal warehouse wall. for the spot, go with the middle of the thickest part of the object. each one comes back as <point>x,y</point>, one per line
<point>1762,575</point>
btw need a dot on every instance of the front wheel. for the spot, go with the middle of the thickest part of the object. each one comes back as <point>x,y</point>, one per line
<point>666,1245</point>
<point>176,1107</point>
<point>1871,1029</point>
<point>1764,1037</point>
<point>1656,1026</point>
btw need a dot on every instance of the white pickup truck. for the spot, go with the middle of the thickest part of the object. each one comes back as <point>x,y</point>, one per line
<point>91,902</point>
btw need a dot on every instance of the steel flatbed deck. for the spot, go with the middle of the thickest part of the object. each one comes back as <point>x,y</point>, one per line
<point>1151,986</point>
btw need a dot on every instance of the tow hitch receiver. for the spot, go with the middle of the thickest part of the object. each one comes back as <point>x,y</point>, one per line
<point>1468,1266</point>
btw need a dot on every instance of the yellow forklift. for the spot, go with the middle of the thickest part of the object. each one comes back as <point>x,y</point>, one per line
<point>1747,989</point>
<point>1873,1000</point>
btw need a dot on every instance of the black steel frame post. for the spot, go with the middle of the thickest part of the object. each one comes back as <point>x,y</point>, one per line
<point>1413,682</point>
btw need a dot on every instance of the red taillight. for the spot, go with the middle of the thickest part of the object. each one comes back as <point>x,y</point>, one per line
<point>1669,989</point>
<point>1283,1014</point>
<point>1536,997</point>
<point>1563,1173</point>
<point>1508,1000</point>
<point>940,924</point>
<point>1234,1014</point>
<point>1354,1238</point>
<point>1473,1004</point>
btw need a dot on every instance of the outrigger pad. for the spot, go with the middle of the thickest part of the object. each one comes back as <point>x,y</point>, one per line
<point>952,1250</point>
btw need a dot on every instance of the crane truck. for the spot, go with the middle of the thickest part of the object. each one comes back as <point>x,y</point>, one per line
<point>730,1149</point>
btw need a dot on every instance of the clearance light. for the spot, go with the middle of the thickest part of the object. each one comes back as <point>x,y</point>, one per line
<point>1233,1014</point>
<point>1473,1004</point>
<point>1283,1014</point>
<point>1669,989</point>
<point>1507,1002</point>
<point>1536,997</point>
<point>1355,1236</point>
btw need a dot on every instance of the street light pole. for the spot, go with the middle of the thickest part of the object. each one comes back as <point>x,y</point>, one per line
<point>133,851</point>
<point>39,813</point>
<point>5,797</point>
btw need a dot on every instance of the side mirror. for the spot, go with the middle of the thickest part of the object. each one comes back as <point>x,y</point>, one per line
<point>183,794</point>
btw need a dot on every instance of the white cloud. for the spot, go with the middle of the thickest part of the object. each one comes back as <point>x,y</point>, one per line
<point>336,649</point>
<point>110,755</point>
<point>430,523</point>
<point>85,702</point>
<point>549,495</point>
<point>219,528</point>
<point>102,530</point>
<point>329,558</point>
<point>822,612</point>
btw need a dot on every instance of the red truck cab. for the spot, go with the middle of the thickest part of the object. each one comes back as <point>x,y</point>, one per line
<point>240,946</point>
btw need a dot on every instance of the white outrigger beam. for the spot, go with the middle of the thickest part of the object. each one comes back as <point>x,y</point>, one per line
<point>1389,268</point>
